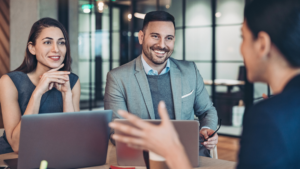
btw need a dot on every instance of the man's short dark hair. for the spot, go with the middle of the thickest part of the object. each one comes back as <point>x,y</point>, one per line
<point>281,20</point>
<point>158,16</point>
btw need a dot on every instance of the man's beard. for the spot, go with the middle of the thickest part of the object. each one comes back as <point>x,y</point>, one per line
<point>150,54</point>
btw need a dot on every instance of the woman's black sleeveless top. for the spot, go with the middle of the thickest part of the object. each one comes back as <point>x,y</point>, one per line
<point>51,101</point>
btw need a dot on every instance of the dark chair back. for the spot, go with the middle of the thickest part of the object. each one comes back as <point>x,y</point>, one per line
<point>242,73</point>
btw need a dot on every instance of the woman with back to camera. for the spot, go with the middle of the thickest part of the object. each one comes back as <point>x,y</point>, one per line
<point>42,84</point>
<point>270,138</point>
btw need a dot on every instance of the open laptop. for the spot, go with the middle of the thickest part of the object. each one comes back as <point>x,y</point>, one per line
<point>188,132</point>
<point>65,140</point>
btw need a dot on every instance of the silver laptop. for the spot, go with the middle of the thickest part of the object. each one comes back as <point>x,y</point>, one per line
<point>188,132</point>
<point>65,140</point>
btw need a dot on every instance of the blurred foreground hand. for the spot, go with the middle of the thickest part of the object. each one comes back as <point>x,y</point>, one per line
<point>161,139</point>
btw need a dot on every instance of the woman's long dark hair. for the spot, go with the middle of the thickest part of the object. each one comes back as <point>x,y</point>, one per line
<point>29,63</point>
<point>281,20</point>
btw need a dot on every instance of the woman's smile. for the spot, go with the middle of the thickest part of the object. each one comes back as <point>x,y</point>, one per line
<point>54,57</point>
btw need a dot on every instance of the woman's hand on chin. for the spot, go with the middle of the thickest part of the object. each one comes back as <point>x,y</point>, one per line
<point>53,78</point>
<point>64,88</point>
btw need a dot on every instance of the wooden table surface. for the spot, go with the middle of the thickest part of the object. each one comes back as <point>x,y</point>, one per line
<point>225,82</point>
<point>205,162</point>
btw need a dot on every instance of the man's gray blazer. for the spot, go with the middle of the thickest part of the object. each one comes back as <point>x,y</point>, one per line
<point>127,89</point>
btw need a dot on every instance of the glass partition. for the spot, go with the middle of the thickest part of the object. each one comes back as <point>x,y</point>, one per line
<point>198,13</point>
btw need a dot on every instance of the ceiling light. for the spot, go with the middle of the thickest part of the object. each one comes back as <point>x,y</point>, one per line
<point>100,6</point>
<point>100,3</point>
<point>218,14</point>
<point>129,16</point>
<point>86,10</point>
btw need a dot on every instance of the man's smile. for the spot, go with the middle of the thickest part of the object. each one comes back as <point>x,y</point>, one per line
<point>159,53</point>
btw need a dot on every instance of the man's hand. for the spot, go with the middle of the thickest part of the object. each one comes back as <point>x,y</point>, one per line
<point>211,142</point>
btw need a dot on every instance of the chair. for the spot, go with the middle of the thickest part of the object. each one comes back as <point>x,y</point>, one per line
<point>224,101</point>
<point>214,153</point>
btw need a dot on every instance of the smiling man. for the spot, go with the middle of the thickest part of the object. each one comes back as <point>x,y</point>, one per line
<point>141,84</point>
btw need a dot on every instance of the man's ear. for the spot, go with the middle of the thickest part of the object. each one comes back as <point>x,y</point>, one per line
<point>263,44</point>
<point>141,37</point>
<point>31,48</point>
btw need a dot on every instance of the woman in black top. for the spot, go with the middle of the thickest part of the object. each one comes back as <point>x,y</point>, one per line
<point>42,84</point>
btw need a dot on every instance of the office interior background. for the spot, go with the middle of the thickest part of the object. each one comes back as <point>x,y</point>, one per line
<point>103,36</point>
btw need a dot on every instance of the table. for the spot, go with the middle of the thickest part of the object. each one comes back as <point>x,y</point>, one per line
<point>206,163</point>
<point>225,82</point>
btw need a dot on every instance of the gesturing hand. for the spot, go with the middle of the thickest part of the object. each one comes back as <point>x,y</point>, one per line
<point>156,138</point>
<point>211,142</point>
<point>53,78</point>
